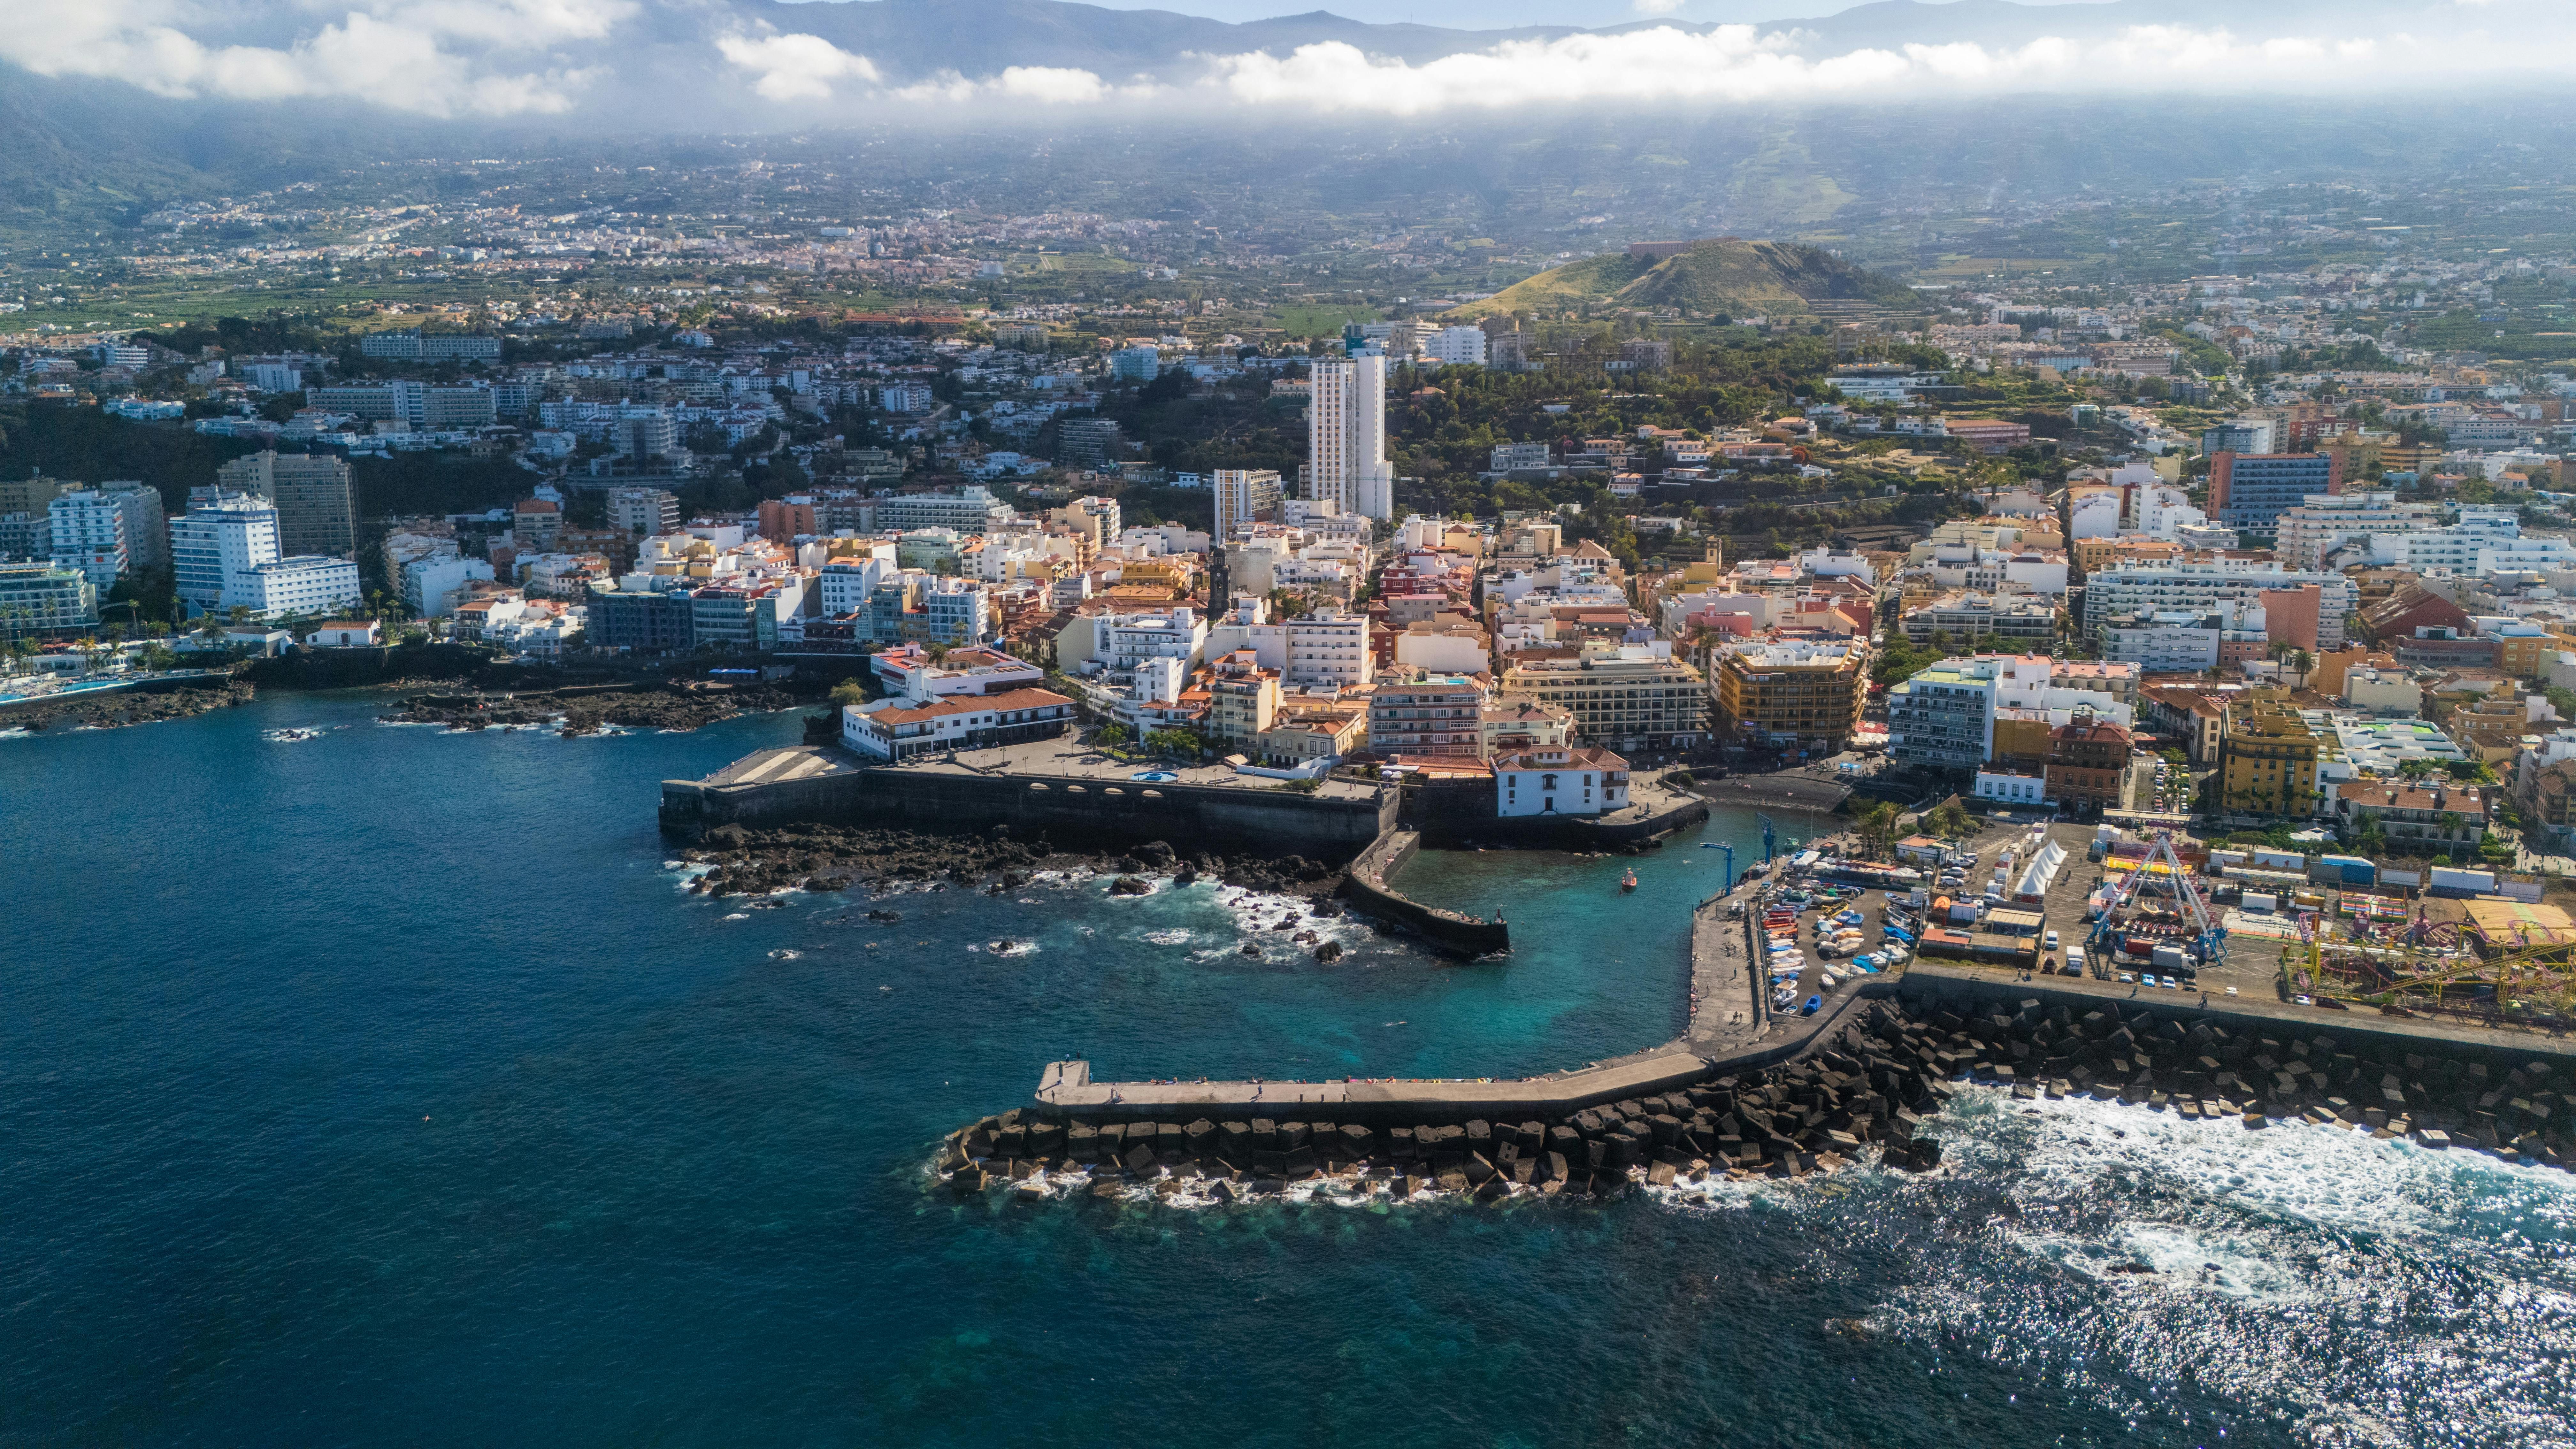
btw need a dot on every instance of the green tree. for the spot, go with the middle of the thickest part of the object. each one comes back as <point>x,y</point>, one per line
<point>1950,820</point>
<point>848,692</point>
<point>1876,825</point>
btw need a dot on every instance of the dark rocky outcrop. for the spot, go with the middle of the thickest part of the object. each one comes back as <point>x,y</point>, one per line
<point>584,709</point>
<point>125,706</point>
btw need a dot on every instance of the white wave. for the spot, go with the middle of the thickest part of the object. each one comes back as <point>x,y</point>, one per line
<point>785,954</point>
<point>2318,1177</point>
<point>738,916</point>
<point>1173,937</point>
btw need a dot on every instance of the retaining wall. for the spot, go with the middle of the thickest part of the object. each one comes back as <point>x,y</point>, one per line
<point>1370,889</point>
<point>1089,812</point>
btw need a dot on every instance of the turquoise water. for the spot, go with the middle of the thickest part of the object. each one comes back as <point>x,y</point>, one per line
<point>387,1088</point>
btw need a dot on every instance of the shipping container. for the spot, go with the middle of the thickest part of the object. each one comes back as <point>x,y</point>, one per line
<point>2344,870</point>
<point>2447,881</point>
<point>2171,958</point>
<point>2260,903</point>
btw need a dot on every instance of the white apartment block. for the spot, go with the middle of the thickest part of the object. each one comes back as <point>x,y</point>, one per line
<point>2327,521</point>
<point>431,584</point>
<point>1329,650</point>
<point>2164,643</point>
<point>1346,463</point>
<point>643,511</point>
<point>1461,345</point>
<point>1130,639</point>
<point>88,534</point>
<point>309,584</point>
<point>214,545</point>
<point>843,585</point>
<point>2199,587</point>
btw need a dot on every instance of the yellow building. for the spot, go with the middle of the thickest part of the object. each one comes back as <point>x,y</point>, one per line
<point>2267,759</point>
<point>1309,732</point>
<point>1623,697</point>
<point>1243,698</point>
<point>1792,690</point>
<point>2021,740</point>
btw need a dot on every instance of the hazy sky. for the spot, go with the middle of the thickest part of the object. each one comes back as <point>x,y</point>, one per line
<point>1504,14</point>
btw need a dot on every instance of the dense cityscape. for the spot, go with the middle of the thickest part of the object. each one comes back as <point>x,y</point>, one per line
<point>923,721</point>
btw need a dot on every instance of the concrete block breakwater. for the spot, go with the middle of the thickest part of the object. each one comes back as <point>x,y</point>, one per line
<point>1868,1087</point>
<point>1865,1091</point>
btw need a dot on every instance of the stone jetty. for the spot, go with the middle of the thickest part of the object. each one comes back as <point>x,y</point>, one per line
<point>1865,1088</point>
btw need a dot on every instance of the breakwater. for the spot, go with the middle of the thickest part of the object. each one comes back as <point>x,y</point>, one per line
<point>1370,890</point>
<point>1868,1087</point>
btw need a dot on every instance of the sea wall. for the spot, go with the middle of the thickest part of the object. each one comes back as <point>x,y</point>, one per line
<point>1866,1083</point>
<point>1087,812</point>
<point>1370,890</point>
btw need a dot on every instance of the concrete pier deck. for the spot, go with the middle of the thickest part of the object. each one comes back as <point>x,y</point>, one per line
<point>1067,1087</point>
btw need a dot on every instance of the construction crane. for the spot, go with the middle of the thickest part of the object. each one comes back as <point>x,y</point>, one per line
<point>2209,941</point>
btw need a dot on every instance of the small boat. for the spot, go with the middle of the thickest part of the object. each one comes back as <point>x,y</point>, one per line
<point>1628,882</point>
<point>1814,1005</point>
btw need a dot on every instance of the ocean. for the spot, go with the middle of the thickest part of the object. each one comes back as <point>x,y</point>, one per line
<point>388,1087</point>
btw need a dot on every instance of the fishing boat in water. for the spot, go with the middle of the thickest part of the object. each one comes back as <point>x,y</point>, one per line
<point>1628,882</point>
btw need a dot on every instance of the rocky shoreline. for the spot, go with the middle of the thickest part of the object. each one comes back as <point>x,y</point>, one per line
<point>125,707</point>
<point>1871,1091</point>
<point>648,706</point>
<point>816,857</point>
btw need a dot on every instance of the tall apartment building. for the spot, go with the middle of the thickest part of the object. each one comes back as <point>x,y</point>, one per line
<point>147,527</point>
<point>1346,437</point>
<point>37,599</point>
<point>1439,715</point>
<point>1088,442</point>
<point>1622,697</point>
<point>2251,491</point>
<point>31,495</point>
<point>1786,692</point>
<point>86,531</point>
<point>2199,587</point>
<point>1245,495</point>
<point>643,511</point>
<point>2268,758</point>
<point>644,432</point>
<point>316,509</point>
<point>215,545</point>
<point>1329,649</point>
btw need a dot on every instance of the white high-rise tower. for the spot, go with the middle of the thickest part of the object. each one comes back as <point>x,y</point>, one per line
<point>1346,437</point>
